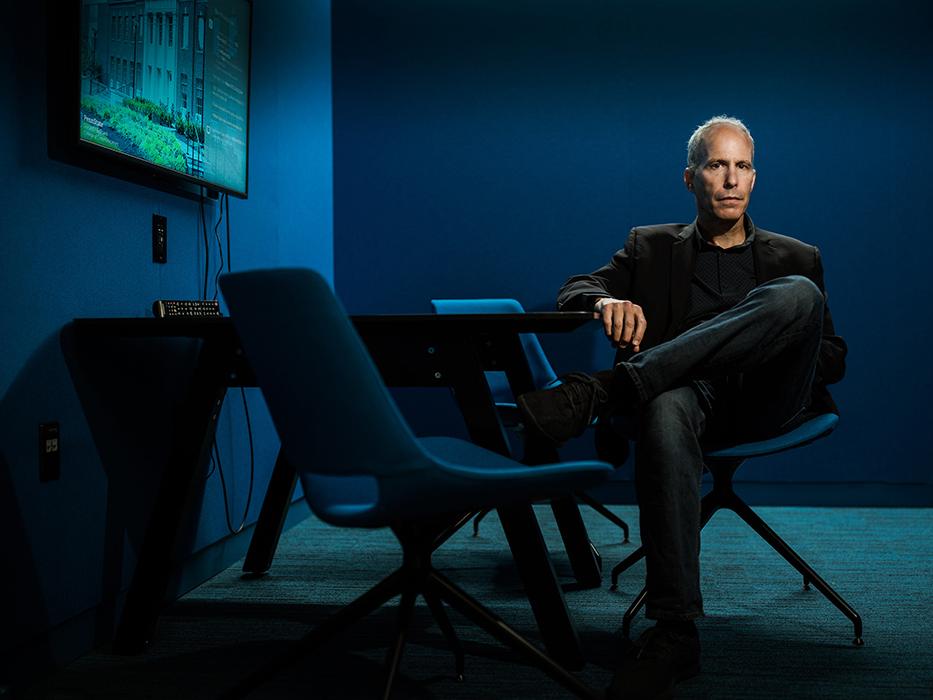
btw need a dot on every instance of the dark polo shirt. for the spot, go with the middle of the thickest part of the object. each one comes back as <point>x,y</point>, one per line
<point>721,279</point>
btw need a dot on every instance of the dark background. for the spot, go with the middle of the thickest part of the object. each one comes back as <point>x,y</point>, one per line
<point>494,149</point>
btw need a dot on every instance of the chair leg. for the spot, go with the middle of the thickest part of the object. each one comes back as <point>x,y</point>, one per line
<point>362,606</point>
<point>633,611</point>
<point>406,609</point>
<point>624,564</point>
<point>443,622</point>
<point>487,620</point>
<point>605,512</point>
<point>809,575</point>
<point>449,531</point>
<point>476,521</point>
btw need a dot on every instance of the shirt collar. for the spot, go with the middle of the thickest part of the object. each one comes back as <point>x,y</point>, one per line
<point>701,243</point>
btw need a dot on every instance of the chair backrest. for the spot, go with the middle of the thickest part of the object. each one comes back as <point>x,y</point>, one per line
<point>541,371</point>
<point>329,404</point>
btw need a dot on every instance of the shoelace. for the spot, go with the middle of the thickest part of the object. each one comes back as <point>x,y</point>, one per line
<point>586,392</point>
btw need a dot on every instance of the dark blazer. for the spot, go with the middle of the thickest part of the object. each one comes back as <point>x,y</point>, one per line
<point>655,268</point>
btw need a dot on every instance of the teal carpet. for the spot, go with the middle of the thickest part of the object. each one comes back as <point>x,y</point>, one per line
<point>763,635</point>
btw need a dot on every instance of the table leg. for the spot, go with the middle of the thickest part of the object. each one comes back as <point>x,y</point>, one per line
<point>582,556</point>
<point>544,593</point>
<point>268,529</point>
<point>586,569</point>
<point>194,430</point>
<point>573,532</point>
<point>526,542</point>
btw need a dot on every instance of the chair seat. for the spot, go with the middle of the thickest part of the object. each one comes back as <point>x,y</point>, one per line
<point>809,431</point>
<point>454,476</point>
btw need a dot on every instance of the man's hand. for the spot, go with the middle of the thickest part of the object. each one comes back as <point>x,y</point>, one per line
<point>624,322</point>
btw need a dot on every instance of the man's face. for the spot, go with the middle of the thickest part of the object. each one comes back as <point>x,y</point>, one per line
<point>723,182</point>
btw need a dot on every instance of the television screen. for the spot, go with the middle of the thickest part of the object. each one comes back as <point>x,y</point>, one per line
<point>164,85</point>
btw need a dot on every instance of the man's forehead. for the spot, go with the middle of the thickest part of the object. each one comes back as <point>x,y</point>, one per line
<point>724,137</point>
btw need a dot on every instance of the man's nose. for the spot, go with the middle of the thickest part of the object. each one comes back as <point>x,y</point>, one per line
<point>732,177</point>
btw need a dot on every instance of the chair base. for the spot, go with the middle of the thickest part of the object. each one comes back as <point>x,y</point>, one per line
<point>584,498</point>
<point>588,500</point>
<point>416,577</point>
<point>722,496</point>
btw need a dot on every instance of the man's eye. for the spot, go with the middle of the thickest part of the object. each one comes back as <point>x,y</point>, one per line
<point>714,166</point>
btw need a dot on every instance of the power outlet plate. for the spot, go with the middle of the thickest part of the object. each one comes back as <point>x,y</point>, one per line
<point>49,452</point>
<point>159,239</point>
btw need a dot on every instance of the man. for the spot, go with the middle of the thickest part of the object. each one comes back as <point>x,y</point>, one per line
<point>723,334</point>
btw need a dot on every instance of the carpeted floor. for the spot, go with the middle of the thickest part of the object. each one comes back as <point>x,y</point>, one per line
<point>763,635</point>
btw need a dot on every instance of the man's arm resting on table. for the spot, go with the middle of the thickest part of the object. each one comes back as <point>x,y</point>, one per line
<point>605,292</point>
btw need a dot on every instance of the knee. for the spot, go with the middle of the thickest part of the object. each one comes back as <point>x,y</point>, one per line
<point>673,411</point>
<point>799,297</point>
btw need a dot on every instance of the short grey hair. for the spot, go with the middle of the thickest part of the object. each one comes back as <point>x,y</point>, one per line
<point>696,142</point>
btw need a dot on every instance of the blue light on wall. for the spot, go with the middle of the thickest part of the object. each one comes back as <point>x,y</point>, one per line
<point>493,149</point>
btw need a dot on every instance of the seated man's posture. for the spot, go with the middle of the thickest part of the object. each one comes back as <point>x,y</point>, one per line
<point>723,335</point>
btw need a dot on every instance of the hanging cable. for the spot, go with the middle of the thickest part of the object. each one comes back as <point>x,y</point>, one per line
<point>216,464</point>
<point>227,203</point>
<point>207,251</point>
<point>215,451</point>
<point>220,248</point>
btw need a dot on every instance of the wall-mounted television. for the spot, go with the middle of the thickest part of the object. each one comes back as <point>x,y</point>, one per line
<point>154,91</point>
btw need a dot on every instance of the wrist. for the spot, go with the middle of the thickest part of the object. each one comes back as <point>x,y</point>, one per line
<point>602,301</point>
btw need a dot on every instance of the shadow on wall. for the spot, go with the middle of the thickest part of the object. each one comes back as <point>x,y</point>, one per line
<point>32,515</point>
<point>116,402</point>
<point>19,589</point>
<point>131,391</point>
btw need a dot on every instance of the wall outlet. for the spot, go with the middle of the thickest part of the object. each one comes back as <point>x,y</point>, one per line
<point>49,452</point>
<point>159,239</point>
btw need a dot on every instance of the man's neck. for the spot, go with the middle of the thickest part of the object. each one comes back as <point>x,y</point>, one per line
<point>724,234</point>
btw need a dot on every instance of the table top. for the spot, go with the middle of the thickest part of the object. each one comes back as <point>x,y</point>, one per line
<point>530,322</point>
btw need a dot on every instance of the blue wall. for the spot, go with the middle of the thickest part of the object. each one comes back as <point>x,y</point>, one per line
<point>485,148</point>
<point>77,243</point>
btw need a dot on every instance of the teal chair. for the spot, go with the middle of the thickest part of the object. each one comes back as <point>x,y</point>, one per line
<point>542,374</point>
<point>361,466</point>
<point>722,463</point>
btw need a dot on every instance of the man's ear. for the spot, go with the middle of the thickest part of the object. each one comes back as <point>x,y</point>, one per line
<point>688,178</point>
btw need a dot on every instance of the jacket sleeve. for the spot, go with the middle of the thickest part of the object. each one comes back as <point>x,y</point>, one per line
<point>831,365</point>
<point>580,292</point>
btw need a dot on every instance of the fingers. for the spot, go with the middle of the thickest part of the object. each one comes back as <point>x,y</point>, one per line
<point>641,325</point>
<point>624,323</point>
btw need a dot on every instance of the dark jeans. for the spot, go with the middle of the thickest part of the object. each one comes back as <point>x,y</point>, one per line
<point>745,374</point>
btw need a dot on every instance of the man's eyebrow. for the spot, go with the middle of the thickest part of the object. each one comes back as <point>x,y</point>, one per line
<point>741,161</point>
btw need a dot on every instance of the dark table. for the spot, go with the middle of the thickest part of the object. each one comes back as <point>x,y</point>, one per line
<point>412,350</point>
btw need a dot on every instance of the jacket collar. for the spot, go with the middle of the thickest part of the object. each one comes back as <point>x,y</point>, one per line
<point>683,259</point>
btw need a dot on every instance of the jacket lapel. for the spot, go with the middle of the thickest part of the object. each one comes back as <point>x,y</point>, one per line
<point>767,266</point>
<point>683,257</point>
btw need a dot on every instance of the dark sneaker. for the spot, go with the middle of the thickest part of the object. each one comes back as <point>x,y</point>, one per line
<point>565,411</point>
<point>654,664</point>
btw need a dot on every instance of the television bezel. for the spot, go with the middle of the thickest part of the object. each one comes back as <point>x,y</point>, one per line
<point>64,127</point>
